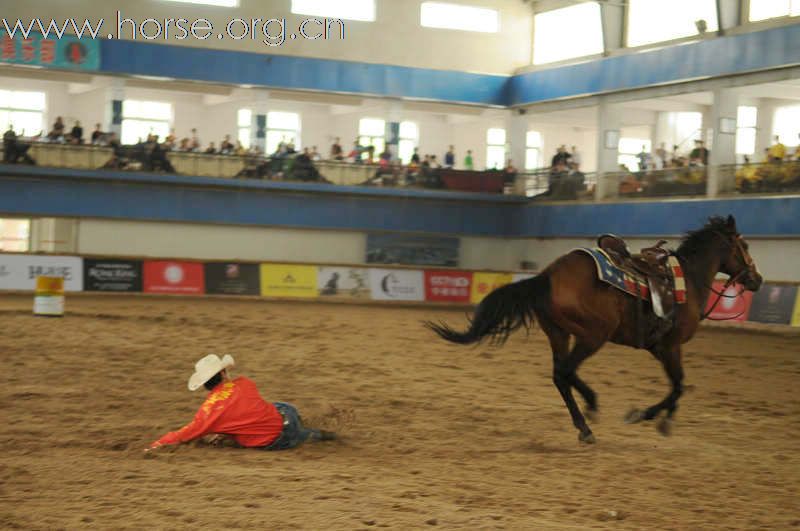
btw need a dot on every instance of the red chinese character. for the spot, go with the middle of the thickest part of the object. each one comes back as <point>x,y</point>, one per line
<point>47,51</point>
<point>28,50</point>
<point>9,48</point>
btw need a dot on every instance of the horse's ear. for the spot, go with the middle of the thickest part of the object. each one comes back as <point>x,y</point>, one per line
<point>731,222</point>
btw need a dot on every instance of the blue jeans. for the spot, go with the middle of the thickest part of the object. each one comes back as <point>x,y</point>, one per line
<point>294,433</point>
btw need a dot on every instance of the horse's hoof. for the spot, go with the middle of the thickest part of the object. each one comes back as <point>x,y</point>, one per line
<point>590,415</point>
<point>665,427</point>
<point>634,416</point>
<point>587,438</point>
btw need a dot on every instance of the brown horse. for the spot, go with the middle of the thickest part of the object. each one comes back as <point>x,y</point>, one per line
<point>568,300</point>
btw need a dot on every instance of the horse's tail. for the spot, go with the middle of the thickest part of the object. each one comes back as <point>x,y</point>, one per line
<point>501,312</point>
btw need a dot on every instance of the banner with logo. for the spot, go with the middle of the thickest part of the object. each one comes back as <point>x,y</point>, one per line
<point>485,283</point>
<point>174,277</point>
<point>232,279</point>
<point>396,285</point>
<point>448,286</point>
<point>773,303</point>
<point>343,282</point>
<point>796,313</point>
<point>19,271</point>
<point>67,52</point>
<point>730,307</point>
<point>112,275</point>
<point>286,280</point>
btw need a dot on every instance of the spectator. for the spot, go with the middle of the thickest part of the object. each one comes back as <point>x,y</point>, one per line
<point>562,156</point>
<point>194,143</point>
<point>370,154</point>
<point>211,149</point>
<point>575,157</point>
<point>434,163</point>
<point>315,156</point>
<point>158,158</point>
<point>661,153</point>
<point>240,150</point>
<point>76,135</point>
<point>336,150</point>
<point>450,158</point>
<point>699,154</point>
<point>355,153</point>
<point>469,164</point>
<point>509,173</point>
<point>169,142</point>
<point>385,157</point>
<point>57,132</point>
<point>117,160</point>
<point>14,150</point>
<point>185,144</point>
<point>777,151</point>
<point>644,159</point>
<point>226,146</point>
<point>415,157</point>
<point>97,135</point>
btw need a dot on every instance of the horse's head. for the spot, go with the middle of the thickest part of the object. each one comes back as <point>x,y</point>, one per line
<point>737,262</point>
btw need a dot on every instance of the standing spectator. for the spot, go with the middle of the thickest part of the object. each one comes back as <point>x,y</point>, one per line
<point>661,153</point>
<point>699,154</point>
<point>469,164</point>
<point>97,134</point>
<point>194,143</point>
<point>450,158</point>
<point>76,135</point>
<point>57,132</point>
<point>336,150</point>
<point>644,159</point>
<point>777,151</point>
<point>415,157</point>
<point>562,156</point>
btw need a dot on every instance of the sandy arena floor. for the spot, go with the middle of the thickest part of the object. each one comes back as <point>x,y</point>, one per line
<point>434,435</point>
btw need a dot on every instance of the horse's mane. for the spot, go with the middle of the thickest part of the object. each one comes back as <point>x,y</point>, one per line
<point>698,240</point>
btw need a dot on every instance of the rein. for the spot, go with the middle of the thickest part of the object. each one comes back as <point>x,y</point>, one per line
<point>731,280</point>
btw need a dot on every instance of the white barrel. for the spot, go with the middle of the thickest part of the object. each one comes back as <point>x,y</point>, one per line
<point>48,299</point>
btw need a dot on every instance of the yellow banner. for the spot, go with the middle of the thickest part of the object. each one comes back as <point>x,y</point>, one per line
<point>485,283</point>
<point>284,280</point>
<point>796,314</point>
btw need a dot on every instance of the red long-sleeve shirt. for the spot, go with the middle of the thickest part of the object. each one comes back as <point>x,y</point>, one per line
<point>234,408</point>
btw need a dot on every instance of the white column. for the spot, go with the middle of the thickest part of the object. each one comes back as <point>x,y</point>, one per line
<point>516,133</point>
<point>764,119</point>
<point>723,146</point>
<point>608,130</point>
<point>258,124</point>
<point>114,96</point>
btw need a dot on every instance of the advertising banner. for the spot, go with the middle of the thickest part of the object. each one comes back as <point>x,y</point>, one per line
<point>232,279</point>
<point>343,282</point>
<point>773,303</point>
<point>448,286</point>
<point>286,280</point>
<point>173,277</point>
<point>796,314</point>
<point>19,271</point>
<point>396,285</point>
<point>66,52</point>
<point>112,275</point>
<point>485,283</point>
<point>730,307</point>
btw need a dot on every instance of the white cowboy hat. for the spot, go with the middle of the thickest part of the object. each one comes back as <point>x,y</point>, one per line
<point>206,368</point>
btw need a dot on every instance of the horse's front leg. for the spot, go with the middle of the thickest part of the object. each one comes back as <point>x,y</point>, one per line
<point>671,361</point>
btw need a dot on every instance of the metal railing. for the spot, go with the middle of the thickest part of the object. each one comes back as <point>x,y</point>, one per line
<point>669,182</point>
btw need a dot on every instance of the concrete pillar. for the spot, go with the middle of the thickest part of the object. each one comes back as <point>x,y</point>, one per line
<point>764,120</point>
<point>723,145</point>
<point>608,130</point>
<point>114,96</point>
<point>516,145</point>
<point>258,125</point>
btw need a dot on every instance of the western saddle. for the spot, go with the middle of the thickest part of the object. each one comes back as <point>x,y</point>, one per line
<point>650,264</point>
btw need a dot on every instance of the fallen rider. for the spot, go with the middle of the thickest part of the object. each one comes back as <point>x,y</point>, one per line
<point>235,409</point>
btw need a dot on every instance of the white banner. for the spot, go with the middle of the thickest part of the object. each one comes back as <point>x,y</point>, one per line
<point>19,271</point>
<point>343,282</point>
<point>396,285</point>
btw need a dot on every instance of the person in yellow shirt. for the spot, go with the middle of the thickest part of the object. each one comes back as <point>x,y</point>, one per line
<point>777,151</point>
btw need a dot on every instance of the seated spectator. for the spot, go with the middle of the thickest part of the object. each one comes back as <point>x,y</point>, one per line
<point>562,156</point>
<point>170,141</point>
<point>159,160</point>
<point>355,153</point>
<point>385,157</point>
<point>336,150</point>
<point>370,154</point>
<point>699,155</point>
<point>97,135</point>
<point>290,149</point>
<point>434,164</point>
<point>57,132</point>
<point>118,160</point>
<point>226,147</point>
<point>239,149</point>
<point>315,156</point>
<point>76,135</point>
<point>194,143</point>
<point>14,149</point>
<point>211,149</point>
<point>185,144</point>
<point>450,158</point>
<point>777,151</point>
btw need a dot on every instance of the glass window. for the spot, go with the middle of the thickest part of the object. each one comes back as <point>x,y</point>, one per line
<point>786,124</point>
<point>23,110</point>
<point>573,31</point>
<point>629,149</point>
<point>409,139</point>
<point>143,118</point>
<point>15,235</point>
<point>533,150</point>
<point>282,127</point>
<point>765,9</point>
<point>652,21</point>
<point>746,118</point>
<point>363,10</point>
<point>495,148</point>
<point>244,120</point>
<point>220,3</point>
<point>459,17</point>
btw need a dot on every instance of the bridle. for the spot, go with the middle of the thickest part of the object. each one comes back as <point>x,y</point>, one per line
<point>749,266</point>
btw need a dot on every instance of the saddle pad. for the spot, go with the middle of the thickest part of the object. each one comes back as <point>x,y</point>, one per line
<point>632,283</point>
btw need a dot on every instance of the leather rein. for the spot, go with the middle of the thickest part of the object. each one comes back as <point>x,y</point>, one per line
<point>748,262</point>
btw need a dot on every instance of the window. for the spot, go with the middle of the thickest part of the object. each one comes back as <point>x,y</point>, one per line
<point>746,130</point>
<point>372,132</point>
<point>573,31</point>
<point>23,110</point>
<point>244,122</point>
<point>495,149</point>
<point>786,124</point>
<point>363,10</point>
<point>764,9</point>
<point>15,235</point>
<point>652,21</point>
<point>142,118</point>
<point>629,148</point>
<point>688,128</point>
<point>459,17</point>
<point>409,138</point>
<point>220,3</point>
<point>533,150</point>
<point>282,127</point>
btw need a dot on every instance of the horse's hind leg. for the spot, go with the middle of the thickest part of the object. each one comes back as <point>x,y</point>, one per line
<point>580,352</point>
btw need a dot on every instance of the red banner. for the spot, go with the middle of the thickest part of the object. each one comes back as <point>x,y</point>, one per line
<point>181,278</point>
<point>447,286</point>
<point>728,307</point>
